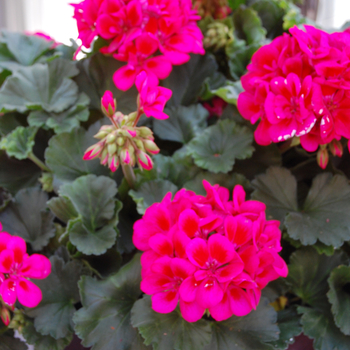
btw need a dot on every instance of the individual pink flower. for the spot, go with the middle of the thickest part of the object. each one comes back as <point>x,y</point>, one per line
<point>19,266</point>
<point>152,98</point>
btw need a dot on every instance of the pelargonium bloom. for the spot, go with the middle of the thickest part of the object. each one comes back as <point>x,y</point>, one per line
<point>208,253</point>
<point>18,267</point>
<point>152,98</point>
<point>298,86</point>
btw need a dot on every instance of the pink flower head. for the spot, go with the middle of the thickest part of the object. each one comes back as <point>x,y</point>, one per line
<point>152,98</point>
<point>19,267</point>
<point>216,107</point>
<point>208,252</point>
<point>108,103</point>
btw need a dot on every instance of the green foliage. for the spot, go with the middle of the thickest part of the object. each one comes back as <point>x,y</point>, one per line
<point>104,320</point>
<point>54,314</point>
<point>219,145</point>
<point>31,222</point>
<point>169,331</point>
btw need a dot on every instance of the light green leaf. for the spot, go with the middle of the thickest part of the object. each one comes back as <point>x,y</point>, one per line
<point>229,92</point>
<point>65,121</point>
<point>151,192</point>
<point>278,190</point>
<point>104,320</point>
<point>26,217</point>
<point>324,216</point>
<point>63,208</point>
<point>339,297</point>
<point>60,291</point>
<point>217,148</point>
<point>308,274</point>
<point>64,156</point>
<point>19,143</point>
<point>249,332</point>
<point>41,86</point>
<point>17,174</point>
<point>168,331</point>
<point>183,124</point>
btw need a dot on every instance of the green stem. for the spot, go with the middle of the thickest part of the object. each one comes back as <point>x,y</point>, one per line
<point>129,174</point>
<point>38,162</point>
<point>139,113</point>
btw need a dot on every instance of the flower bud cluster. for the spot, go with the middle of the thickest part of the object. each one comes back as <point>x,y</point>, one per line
<point>123,143</point>
<point>217,36</point>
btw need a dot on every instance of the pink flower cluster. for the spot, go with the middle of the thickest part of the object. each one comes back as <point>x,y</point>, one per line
<point>208,253</point>
<point>16,267</point>
<point>150,35</point>
<point>299,85</point>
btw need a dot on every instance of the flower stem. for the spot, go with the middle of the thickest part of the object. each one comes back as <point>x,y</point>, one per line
<point>139,113</point>
<point>38,162</point>
<point>129,174</point>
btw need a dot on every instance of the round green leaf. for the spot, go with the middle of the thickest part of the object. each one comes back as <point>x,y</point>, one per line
<point>168,331</point>
<point>219,145</point>
<point>60,291</point>
<point>26,217</point>
<point>104,320</point>
<point>325,214</point>
<point>339,297</point>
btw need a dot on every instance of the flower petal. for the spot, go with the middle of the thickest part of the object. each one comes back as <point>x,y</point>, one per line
<point>188,289</point>
<point>8,291</point>
<point>192,311</point>
<point>36,266</point>
<point>220,249</point>
<point>28,293</point>
<point>197,252</point>
<point>209,293</point>
<point>165,302</point>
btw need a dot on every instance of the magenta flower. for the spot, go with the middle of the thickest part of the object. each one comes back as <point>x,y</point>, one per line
<point>152,98</point>
<point>19,267</point>
<point>108,103</point>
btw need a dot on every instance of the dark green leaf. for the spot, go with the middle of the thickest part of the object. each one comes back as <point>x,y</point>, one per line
<point>64,156</point>
<point>63,208</point>
<point>324,216</point>
<point>16,174</point>
<point>65,121</point>
<point>278,190</point>
<point>9,342</point>
<point>168,331</point>
<point>226,180</point>
<point>60,291</point>
<point>26,217</point>
<point>151,192</point>
<point>42,86</point>
<point>5,198</point>
<point>183,124</point>
<point>289,324</point>
<point>234,4</point>
<point>92,232</point>
<point>96,76</point>
<point>308,274</point>
<point>217,148</point>
<point>251,332</point>
<point>10,121</point>
<point>25,50</point>
<point>19,143</point>
<point>186,81</point>
<point>319,325</point>
<point>339,297</point>
<point>43,342</point>
<point>104,320</point>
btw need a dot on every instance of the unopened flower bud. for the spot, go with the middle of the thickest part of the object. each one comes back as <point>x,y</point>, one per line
<point>145,132</point>
<point>322,157</point>
<point>139,144</point>
<point>112,148</point>
<point>111,138</point>
<point>144,160</point>
<point>151,147</point>
<point>5,315</point>
<point>336,148</point>
<point>132,117</point>
<point>132,133</point>
<point>108,104</point>
<point>101,134</point>
<point>120,141</point>
<point>125,156</point>
<point>104,153</point>
<point>93,151</point>
<point>113,163</point>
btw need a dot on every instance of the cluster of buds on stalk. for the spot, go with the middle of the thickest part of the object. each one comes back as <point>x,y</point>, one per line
<point>122,142</point>
<point>217,35</point>
<point>336,149</point>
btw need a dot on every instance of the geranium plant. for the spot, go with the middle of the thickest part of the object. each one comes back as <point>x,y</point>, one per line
<point>176,179</point>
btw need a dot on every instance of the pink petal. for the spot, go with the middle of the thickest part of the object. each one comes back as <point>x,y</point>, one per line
<point>254,297</point>
<point>155,283</point>
<point>180,241</point>
<point>124,77</point>
<point>261,134</point>
<point>197,252</point>
<point>182,268</point>
<point>226,273</point>
<point>192,311</point>
<point>19,248</point>
<point>209,293</point>
<point>4,239</point>
<point>239,301</point>
<point>160,66</point>
<point>7,260</point>
<point>165,302</point>
<point>162,266</point>
<point>221,249</point>
<point>221,311</point>
<point>36,266</point>
<point>28,293</point>
<point>188,289</point>
<point>8,291</point>
<point>189,222</point>
<point>161,244</point>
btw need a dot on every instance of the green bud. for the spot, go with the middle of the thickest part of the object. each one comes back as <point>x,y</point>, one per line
<point>151,147</point>
<point>120,141</point>
<point>132,117</point>
<point>139,144</point>
<point>112,148</point>
<point>145,132</point>
<point>111,138</point>
<point>101,134</point>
